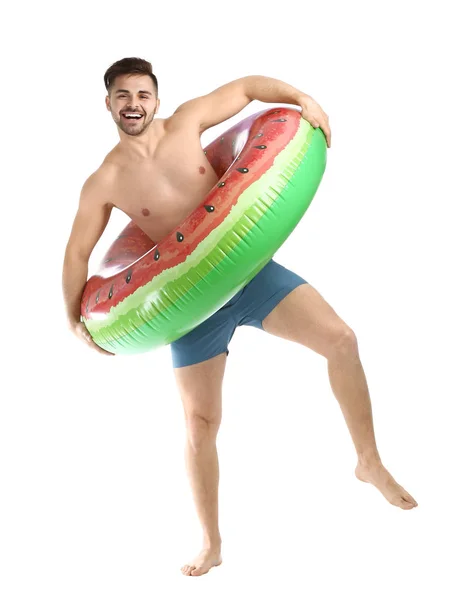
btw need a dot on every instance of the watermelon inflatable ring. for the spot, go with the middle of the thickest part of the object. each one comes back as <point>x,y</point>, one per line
<point>146,295</point>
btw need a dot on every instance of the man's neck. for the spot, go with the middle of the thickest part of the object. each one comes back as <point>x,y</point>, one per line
<point>141,148</point>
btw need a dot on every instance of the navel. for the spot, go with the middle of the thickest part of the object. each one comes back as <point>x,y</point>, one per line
<point>201,170</point>
<point>145,212</point>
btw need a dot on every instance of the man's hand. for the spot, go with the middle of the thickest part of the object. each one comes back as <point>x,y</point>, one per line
<point>313,113</point>
<point>80,331</point>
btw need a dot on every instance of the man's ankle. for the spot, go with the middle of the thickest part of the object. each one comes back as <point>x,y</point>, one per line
<point>369,459</point>
<point>212,542</point>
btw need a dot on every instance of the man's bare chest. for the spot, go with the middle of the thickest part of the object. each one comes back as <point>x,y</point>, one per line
<point>160,193</point>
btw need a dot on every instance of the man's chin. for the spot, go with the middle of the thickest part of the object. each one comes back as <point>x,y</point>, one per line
<point>133,130</point>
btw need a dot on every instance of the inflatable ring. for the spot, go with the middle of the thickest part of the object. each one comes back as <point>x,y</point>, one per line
<point>146,295</point>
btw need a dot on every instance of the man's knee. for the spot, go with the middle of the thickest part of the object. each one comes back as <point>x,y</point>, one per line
<point>202,430</point>
<point>346,341</point>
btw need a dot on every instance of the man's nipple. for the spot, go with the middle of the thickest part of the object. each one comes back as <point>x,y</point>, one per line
<point>145,212</point>
<point>201,170</point>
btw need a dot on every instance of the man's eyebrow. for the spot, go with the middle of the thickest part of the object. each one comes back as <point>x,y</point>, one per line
<point>140,92</point>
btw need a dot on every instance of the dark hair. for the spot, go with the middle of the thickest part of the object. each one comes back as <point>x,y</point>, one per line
<point>129,66</point>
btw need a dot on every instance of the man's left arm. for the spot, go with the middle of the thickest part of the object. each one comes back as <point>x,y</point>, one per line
<point>229,99</point>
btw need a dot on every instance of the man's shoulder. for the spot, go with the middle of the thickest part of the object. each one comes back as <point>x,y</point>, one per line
<point>106,173</point>
<point>110,164</point>
<point>102,181</point>
<point>180,120</point>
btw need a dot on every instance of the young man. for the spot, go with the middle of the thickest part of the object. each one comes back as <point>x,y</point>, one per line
<point>158,174</point>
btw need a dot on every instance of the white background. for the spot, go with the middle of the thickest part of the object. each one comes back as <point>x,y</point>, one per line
<point>95,500</point>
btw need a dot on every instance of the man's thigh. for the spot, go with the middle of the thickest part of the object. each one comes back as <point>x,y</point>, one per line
<point>207,340</point>
<point>200,388</point>
<point>264,292</point>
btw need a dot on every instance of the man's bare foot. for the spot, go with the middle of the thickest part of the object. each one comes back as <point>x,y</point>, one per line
<point>208,558</point>
<point>377,475</point>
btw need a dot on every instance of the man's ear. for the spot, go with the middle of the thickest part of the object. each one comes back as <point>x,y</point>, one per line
<point>107,103</point>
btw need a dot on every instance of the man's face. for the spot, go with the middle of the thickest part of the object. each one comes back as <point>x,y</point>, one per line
<point>133,94</point>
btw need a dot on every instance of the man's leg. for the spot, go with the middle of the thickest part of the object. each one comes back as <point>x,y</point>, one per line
<point>200,387</point>
<point>303,316</point>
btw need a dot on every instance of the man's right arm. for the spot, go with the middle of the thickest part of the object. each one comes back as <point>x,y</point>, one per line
<point>89,224</point>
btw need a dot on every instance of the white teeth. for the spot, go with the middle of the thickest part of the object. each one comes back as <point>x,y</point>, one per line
<point>133,115</point>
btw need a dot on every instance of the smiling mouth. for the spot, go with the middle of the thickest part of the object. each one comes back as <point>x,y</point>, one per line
<point>132,118</point>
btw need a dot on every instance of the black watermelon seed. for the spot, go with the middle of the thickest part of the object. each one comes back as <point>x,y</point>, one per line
<point>275,111</point>
<point>97,297</point>
<point>129,275</point>
<point>107,260</point>
<point>156,255</point>
<point>260,147</point>
<point>221,184</point>
<point>110,292</point>
<point>278,120</point>
<point>209,208</point>
<point>258,135</point>
<point>87,304</point>
<point>205,151</point>
<point>121,236</point>
<point>242,170</point>
<point>179,237</point>
<point>221,140</point>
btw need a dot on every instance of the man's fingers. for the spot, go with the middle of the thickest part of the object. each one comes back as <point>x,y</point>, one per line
<point>327,129</point>
<point>327,132</point>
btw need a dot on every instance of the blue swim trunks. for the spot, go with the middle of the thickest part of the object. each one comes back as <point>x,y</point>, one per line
<point>248,307</point>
